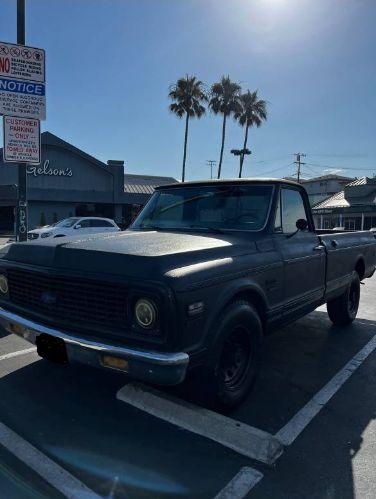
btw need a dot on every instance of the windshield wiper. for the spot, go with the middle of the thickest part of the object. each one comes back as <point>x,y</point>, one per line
<point>151,227</point>
<point>212,229</point>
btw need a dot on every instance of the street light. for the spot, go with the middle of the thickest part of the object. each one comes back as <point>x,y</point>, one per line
<point>241,153</point>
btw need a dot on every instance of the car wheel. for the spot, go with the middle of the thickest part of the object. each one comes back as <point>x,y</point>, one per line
<point>343,309</point>
<point>233,360</point>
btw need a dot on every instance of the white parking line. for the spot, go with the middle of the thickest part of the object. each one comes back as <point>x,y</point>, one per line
<point>302,418</point>
<point>244,439</point>
<point>241,484</point>
<point>54,474</point>
<point>17,353</point>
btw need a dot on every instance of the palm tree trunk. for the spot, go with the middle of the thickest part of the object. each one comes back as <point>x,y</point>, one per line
<point>185,146</point>
<point>242,155</point>
<point>222,145</point>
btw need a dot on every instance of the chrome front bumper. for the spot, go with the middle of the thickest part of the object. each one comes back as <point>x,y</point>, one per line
<point>155,367</point>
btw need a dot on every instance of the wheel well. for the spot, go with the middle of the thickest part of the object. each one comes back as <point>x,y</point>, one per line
<point>360,268</point>
<point>255,299</point>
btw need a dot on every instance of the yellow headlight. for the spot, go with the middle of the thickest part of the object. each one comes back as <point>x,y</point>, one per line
<point>3,284</point>
<point>146,313</point>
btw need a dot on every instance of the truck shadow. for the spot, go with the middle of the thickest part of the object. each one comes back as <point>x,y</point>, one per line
<point>298,361</point>
<point>71,413</point>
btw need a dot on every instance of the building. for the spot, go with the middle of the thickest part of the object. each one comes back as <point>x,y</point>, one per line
<point>320,188</point>
<point>70,182</point>
<point>353,208</point>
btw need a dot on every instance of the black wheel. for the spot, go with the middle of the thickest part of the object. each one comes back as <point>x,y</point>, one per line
<point>342,310</point>
<point>233,360</point>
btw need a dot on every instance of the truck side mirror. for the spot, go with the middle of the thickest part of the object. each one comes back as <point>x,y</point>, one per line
<point>78,226</point>
<point>301,224</point>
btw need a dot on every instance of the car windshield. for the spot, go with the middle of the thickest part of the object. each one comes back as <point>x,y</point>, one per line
<point>222,207</point>
<point>67,222</point>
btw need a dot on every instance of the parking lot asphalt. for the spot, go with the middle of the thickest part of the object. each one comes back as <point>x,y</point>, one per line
<point>3,240</point>
<point>71,414</point>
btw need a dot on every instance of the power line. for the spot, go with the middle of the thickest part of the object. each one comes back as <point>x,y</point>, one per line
<point>274,170</point>
<point>341,167</point>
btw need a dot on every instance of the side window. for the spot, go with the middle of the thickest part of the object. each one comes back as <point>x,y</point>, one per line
<point>100,223</point>
<point>292,209</point>
<point>84,223</point>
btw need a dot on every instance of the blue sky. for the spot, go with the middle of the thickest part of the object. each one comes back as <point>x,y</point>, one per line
<point>110,64</point>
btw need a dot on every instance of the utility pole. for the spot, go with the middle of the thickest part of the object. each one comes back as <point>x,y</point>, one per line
<point>299,163</point>
<point>211,163</point>
<point>21,210</point>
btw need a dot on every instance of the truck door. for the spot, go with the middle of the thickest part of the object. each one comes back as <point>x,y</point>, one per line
<point>303,256</point>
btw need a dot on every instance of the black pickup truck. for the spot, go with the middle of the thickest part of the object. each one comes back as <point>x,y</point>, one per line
<point>190,289</point>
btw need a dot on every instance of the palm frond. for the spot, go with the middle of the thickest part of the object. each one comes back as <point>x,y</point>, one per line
<point>225,97</point>
<point>188,94</point>
<point>253,110</point>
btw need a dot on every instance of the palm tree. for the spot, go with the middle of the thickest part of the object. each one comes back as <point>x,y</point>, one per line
<point>224,100</point>
<point>253,112</point>
<point>188,95</point>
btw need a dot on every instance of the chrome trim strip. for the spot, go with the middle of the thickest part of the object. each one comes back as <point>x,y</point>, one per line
<point>160,358</point>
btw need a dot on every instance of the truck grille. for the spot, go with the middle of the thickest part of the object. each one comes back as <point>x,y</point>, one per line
<point>75,300</point>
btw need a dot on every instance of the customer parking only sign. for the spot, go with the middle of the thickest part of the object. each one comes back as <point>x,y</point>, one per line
<point>21,140</point>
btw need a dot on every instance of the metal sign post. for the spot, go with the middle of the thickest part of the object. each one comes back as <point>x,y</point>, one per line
<point>21,211</point>
<point>23,104</point>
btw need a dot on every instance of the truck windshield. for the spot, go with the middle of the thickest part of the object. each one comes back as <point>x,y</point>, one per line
<point>211,207</point>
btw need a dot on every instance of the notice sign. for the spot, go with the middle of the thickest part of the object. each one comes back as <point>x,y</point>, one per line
<point>22,63</point>
<point>21,140</point>
<point>25,99</point>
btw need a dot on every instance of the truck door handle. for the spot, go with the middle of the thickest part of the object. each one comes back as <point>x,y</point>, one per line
<point>320,247</point>
<point>334,243</point>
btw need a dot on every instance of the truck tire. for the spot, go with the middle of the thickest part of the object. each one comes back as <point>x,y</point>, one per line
<point>343,309</point>
<point>233,361</point>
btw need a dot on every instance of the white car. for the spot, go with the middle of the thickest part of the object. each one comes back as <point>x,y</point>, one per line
<point>75,226</point>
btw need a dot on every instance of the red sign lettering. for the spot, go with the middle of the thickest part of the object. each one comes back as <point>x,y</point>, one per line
<point>4,64</point>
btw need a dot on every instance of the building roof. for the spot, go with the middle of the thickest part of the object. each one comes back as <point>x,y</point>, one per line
<point>330,176</point>
<point>144,184</point>
<point>294,179</point>
<point>336,201</point>
<point>363,181</point>
<point>339,201</point>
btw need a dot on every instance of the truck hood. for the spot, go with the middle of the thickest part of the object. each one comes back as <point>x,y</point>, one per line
<point>148,255</point>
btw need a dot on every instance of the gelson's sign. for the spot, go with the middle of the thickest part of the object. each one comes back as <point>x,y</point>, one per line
<point>48,170</point>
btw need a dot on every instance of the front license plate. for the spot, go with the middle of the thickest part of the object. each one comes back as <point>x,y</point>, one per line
<point>51,348</point>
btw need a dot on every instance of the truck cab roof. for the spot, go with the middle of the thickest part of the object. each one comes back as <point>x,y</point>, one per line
<point>230,181</point>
